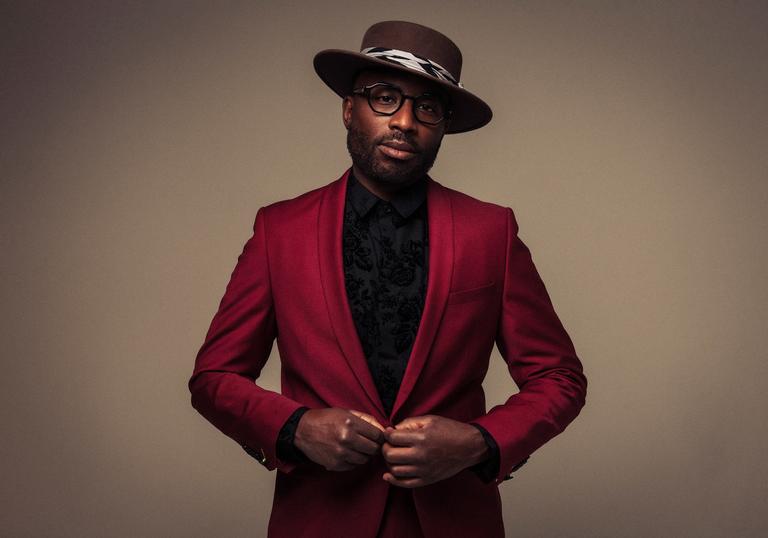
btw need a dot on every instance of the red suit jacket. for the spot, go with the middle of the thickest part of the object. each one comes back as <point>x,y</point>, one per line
<point>482,289</point>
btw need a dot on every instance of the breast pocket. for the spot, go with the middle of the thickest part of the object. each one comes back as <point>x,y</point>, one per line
<point>472,294</point>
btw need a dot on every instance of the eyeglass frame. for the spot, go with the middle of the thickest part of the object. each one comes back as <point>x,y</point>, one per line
<point>366,92</point>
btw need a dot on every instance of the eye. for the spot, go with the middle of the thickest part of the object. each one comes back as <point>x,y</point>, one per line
<point>430,106</point>
<point>385,98</point>
<point>427,107</point>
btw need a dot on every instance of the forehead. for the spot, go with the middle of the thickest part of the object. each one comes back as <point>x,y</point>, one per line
<point>410,84</point>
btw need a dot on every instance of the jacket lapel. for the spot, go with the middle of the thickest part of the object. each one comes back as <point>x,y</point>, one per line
<point>440,271</point>
<point>330,252</point>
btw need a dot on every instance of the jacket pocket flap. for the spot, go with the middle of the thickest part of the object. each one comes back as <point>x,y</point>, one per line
<point>465,296</point>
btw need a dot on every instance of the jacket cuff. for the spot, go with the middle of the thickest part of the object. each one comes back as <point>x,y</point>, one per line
<point>488,469</point>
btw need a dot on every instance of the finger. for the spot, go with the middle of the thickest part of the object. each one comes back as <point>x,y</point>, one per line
<point>405,437</point>
<point>340,466</point>
<point>368,418</point>
<point>405,471</point>
<point>395,455</point>
<point>363,445</point>
<point>404,482</point>
<point>355,458</point>
<point>365,429</point>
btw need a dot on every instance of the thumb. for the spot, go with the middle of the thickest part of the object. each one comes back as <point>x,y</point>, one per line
<point>412,423</point>
<point>368,418</point>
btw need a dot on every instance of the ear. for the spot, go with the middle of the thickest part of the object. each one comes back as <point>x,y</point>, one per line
<point>346,111</point>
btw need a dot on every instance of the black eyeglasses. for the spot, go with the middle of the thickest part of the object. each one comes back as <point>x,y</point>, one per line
<point>386,99</point>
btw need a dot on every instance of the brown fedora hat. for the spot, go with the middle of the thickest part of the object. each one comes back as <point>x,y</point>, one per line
<point>414,49</point>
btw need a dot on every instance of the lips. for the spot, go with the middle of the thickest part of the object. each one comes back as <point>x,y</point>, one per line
<point>398,150</point>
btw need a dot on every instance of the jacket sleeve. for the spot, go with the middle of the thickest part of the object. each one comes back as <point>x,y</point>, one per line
<point>541,360</point>
<point>235,349</point>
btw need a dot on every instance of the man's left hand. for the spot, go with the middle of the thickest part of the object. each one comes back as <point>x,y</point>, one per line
<point>424,450</point>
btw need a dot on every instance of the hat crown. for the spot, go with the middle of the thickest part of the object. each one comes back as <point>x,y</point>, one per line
<point>416,39</point>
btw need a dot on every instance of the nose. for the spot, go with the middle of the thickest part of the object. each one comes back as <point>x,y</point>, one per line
<point>404,119</point>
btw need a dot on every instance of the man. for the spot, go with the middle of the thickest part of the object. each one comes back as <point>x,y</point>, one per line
<point>386,292</point>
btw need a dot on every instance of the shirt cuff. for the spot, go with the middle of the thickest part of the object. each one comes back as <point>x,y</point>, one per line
<point>286,449</point>
<point>487,469</point>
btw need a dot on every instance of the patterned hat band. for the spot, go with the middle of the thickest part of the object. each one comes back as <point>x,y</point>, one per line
<point>411,61</point>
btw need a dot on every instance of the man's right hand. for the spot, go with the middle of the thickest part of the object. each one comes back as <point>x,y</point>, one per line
<point>338,439</point>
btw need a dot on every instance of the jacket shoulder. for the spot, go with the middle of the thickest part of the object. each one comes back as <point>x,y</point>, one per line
<point>301,210</point>
<point>298,204</point>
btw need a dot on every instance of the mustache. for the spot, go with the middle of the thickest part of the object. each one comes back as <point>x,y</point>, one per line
<point>401,138</point>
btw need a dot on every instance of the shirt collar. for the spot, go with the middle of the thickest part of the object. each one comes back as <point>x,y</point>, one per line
<point>405,202</point>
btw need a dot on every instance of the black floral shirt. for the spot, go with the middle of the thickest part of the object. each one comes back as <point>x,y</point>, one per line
<point>385,271</point>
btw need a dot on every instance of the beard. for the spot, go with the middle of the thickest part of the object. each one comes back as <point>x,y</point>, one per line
<point>385,171</point>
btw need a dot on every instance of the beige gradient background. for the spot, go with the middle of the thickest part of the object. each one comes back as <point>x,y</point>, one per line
<point>138,139</point>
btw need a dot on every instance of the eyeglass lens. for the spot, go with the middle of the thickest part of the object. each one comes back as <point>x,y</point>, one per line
<point>388,100</point>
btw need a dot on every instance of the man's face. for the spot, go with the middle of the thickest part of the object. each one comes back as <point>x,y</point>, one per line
<point>392,151</point>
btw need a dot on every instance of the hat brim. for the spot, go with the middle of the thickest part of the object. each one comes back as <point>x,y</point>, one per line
<point>338,69</point>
